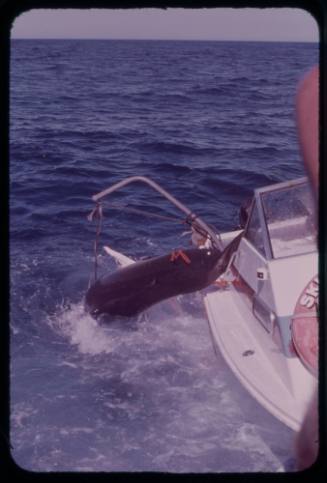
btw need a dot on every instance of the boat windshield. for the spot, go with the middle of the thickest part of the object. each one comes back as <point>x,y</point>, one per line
<point>289,215</point>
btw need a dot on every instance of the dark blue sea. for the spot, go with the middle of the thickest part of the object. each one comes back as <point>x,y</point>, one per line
<point>209,121</point>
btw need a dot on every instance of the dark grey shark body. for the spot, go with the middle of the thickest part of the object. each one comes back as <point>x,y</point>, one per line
<point>134,288</point>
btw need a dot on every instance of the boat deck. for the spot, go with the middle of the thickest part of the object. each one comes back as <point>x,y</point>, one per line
<point>278,383</point>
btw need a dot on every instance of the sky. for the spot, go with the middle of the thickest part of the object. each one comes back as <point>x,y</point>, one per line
<point>283,24</point>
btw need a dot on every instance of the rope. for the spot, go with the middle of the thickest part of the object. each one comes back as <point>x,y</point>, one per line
<point>145,213</point>
<point>98,214</point>
<point>189,220</point>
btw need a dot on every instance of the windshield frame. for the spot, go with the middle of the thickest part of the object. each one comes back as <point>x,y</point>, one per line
<point>258,203</point>
<point>281,187</point>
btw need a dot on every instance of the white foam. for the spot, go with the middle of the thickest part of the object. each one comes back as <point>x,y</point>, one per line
<point>82,330</point>
<point>68,364</point>
<point>20,412</point>
<point>247,437</point>
<point>15,330</point>
<point>70,431</point>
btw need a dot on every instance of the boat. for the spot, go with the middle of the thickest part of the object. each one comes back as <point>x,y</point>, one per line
<point>263,315</point>
<point>262,310</point>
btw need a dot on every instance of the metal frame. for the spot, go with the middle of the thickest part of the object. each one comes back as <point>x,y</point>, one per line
<point>193,217</point>
<point>266,243</point>
<point>258,200</point>
<point>283,184</point>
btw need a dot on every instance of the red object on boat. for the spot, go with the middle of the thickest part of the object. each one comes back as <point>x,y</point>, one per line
<point>305,326</point>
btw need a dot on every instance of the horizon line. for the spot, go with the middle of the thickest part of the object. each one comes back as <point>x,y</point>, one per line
<point>168,40</point>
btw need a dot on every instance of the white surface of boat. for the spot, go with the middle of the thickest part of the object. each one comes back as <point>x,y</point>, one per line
<point>252,311</point>
<point>282,385</point>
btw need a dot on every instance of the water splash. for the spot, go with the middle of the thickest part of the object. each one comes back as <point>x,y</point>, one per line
<point>75,324</point>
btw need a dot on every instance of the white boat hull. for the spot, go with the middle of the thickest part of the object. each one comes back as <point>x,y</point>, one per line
<point>280,384</point>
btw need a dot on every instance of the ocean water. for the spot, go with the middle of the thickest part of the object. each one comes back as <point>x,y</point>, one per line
<point>209,121</point>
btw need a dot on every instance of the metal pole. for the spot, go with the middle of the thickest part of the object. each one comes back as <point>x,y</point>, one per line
<point>164,193</point>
